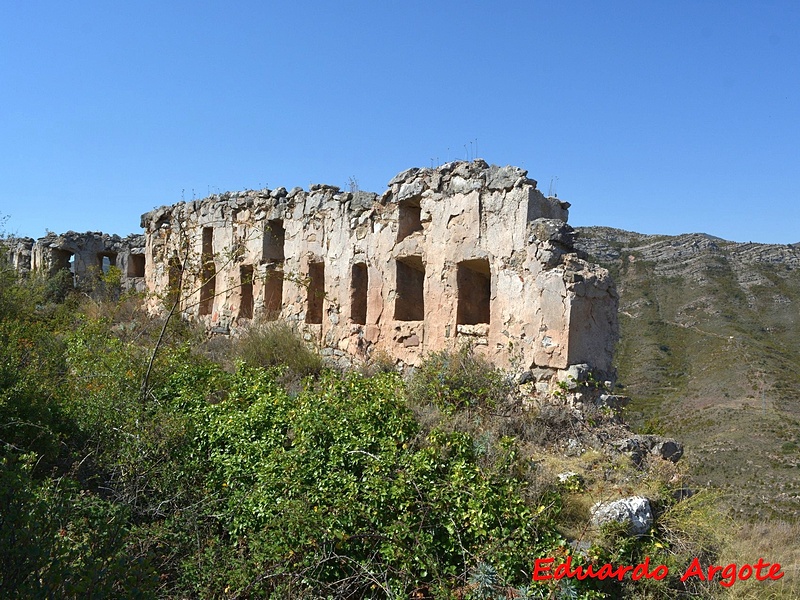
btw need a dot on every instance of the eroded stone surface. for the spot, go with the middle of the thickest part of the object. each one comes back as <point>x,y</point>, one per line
<point>18,253</point>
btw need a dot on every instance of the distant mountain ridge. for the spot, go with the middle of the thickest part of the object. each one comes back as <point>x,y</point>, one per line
<point>710,353</point>
<point>607,244</point>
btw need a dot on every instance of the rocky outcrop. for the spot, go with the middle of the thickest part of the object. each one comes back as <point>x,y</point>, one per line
<point>464,253</point>
<point>638,446</point>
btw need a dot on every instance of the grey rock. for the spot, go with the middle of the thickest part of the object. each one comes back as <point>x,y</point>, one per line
<point>634,512</point>
<point>409,190</point>
<point>668,449</point>
<point>403,176</point>
<point>540,373</point>
<point>461,185</point>
<point>362,201</point>
<point>631,444</point>
<point>639,445</point>
<point>573,448</point>
<point>553,230</point>
<point>523,377</point>
<point>293,192</point>
<point>613,401</point>
<point>343,197</point>
<point>574,375</point>
<point>503,178</point>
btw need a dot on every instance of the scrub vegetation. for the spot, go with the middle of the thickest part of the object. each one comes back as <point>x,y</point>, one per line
<point>245,469</point>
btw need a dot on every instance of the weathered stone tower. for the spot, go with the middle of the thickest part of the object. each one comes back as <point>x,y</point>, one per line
<point>466,252</point>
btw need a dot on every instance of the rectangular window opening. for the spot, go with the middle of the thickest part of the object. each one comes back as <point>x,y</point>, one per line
<point>273,295</point>
<point>207,252</point>
<point>408,218</point>
<point>209,273</point>
<point>409,304</point>
<point>175,274</point>
<point>136,265</point>
<point>246,303</point>
<point>274,241</point>
<point>62,259</point>
<point>106,260</point>
<point>474,291</point>
<point>316,292</point>
<point>358,294</point>
<point>208,291</point>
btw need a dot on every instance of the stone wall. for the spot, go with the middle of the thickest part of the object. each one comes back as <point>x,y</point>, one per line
<point>17,251</point>
<point>466,252</point>
<point>86,255</point>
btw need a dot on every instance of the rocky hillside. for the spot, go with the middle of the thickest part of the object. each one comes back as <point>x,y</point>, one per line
<point>710,353</point>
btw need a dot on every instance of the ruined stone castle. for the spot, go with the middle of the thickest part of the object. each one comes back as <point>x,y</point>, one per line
<point>463,253</point>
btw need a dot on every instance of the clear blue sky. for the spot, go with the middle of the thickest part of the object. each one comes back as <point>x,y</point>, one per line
<point>660,117</point>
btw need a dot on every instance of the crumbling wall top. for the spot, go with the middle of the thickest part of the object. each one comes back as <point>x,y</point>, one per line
<point>457,177</point>
<point>73,241</point>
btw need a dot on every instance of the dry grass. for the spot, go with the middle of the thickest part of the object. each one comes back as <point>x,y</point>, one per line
<point>774,541</point>
<point>277,343</point>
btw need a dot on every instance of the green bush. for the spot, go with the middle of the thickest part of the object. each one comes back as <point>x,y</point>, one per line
<point>59,286</point>
<point>333,493</point>
<point>31,381</point>
<point>458,379</point>
<point>57,541</point>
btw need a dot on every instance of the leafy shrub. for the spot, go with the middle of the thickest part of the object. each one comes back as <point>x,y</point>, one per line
<point>329,492</point>
<point>458,379</point>
<point>59,286</point>
<point>59,542</point>
<point>31,378</point>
